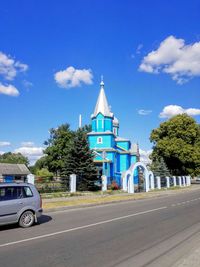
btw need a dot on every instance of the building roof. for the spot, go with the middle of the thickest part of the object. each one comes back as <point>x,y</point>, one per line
<point>102,104</point>
<point>101,133</point>
<point>120,139</point>
<point>13,169</point>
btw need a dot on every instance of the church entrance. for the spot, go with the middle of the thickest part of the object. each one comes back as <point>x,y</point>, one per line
<point>143,181</point>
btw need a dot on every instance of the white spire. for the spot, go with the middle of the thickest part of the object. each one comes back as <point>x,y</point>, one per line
<point>102,103</point>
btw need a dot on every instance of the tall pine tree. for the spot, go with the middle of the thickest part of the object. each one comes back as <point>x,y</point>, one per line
<point>80,161</point>
<point>159,168</point>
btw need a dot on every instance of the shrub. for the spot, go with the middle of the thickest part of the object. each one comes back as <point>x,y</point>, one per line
<point>114,186</point>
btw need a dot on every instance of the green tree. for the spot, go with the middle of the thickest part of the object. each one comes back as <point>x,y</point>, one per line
<point>80,161</point>
<point>16,158</point>
<point>57,149</point>
<point>159,168</point>
<point>177,141</point>
<point>44,173</point>
<point>39,164</point>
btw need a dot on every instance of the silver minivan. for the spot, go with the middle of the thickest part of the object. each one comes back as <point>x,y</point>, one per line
<point>19,203</point>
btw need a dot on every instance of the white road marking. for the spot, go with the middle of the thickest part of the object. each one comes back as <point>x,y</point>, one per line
<point>80,227</point>
<point>184,202</point>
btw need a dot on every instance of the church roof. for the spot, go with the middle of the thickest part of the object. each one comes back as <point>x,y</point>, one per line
<point>102,104</point>
<point>120,139</point>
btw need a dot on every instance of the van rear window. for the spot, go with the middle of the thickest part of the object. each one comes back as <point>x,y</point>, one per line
<point>28,192</point>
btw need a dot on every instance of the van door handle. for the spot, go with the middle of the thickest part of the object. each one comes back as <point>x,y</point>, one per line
<point>21,203</point>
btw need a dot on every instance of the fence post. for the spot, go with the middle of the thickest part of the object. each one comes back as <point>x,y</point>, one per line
<point>167,180</point>
<point>183,177</point>
<point>158,182</point>
<point>30,178</point>
<point>104,182</point>
<point>179,181</point>
<point>72,183</point>
<point>174,180</point>
<point>188,180</point>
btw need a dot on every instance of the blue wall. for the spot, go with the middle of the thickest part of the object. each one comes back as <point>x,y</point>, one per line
<point>107,141</point>
<point>133,159</point>
<point>124,162</point>
<point>124,144</point>
<point>102,124</point>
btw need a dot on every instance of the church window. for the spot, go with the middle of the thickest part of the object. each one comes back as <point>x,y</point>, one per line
<point>115,131</point>
<point>99,140</point>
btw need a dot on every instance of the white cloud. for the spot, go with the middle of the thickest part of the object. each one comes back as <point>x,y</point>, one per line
<point>144,112</point>
<point>29,151</point>
<point>5,143</point>
<point>144,156</point>
<point>71,77</point>
<point>175,58</point>
<point>2,152</point>
<point>32,153</point>
<point>27,144</point>
<point>173,110</point>
<point>8,90</point>
<point>9,67</point>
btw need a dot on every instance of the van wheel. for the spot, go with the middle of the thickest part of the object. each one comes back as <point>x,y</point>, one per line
<point>27,219</point>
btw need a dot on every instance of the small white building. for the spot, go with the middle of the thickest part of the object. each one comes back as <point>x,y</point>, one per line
<point>13,172</point>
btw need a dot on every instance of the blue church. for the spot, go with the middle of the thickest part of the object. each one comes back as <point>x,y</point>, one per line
<point>113,154</point>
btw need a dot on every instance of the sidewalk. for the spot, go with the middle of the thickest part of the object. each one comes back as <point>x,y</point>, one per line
<point>192,260</point>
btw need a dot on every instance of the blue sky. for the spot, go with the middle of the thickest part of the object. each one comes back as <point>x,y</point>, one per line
<point>148,52</point>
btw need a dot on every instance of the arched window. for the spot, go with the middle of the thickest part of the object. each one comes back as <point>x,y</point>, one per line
<point>99,140</point>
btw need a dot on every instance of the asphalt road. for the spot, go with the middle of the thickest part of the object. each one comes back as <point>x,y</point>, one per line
<point>152,232</point>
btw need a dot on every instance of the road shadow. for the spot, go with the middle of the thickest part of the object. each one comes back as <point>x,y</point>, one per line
<point>43,219</point>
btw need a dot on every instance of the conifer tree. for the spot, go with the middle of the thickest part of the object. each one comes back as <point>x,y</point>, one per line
<point>159,168</point>
<point>80,161</point>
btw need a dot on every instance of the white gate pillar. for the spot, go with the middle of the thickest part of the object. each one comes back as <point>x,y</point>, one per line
<point>174,180</point>
<point>124,183</point>
<point>131,184</point>
<point>168,182</point>
<point>104,182</point>
<point>158,183</point>
<point>146,181</point>
<point>72,183</point>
